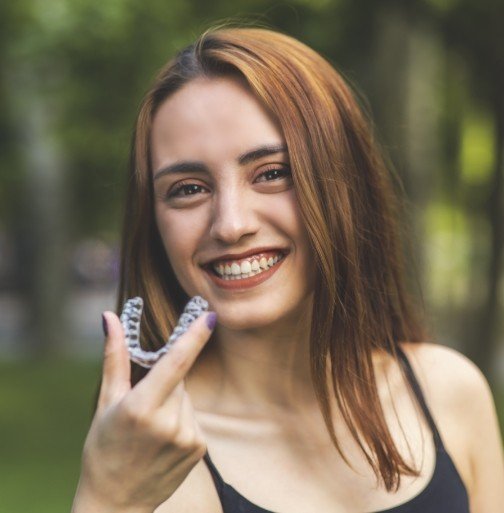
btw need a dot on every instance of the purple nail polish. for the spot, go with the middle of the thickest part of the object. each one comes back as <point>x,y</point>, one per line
<point>211,320</point>
<point>104,325</point>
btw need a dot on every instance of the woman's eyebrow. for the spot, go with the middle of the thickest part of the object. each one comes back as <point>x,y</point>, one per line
<point>181,167</point>
<point>200,167</point>
<point>262,151</point>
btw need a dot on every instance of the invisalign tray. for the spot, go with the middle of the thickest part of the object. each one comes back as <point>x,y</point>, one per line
<point>130,320</point>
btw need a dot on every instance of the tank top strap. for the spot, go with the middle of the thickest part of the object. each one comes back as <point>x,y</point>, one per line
<point>217,478</point>
<point>420,397</point>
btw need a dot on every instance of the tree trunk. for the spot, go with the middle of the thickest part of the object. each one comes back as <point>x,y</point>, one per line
<point>485,341</point>
<point>41,223</point>
<point>407,73</point>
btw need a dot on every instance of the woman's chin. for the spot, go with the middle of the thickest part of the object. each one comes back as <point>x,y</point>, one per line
<point>238,321</point>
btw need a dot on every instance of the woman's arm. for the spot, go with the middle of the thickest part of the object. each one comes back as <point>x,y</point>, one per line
<point>461,402</point>
<point>486,490</point>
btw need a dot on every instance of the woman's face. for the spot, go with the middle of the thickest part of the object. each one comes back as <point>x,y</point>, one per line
<point>225,205</point>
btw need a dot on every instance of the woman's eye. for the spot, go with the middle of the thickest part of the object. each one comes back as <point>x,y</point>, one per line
<point>275,173</point>
<point>185,189</point>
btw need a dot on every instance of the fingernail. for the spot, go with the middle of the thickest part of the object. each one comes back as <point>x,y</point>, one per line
<point>211,320</point>
<point>104,325</point>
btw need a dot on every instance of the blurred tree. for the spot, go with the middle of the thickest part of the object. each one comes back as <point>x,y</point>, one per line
<point>475,30</point>
<point>37,220</point>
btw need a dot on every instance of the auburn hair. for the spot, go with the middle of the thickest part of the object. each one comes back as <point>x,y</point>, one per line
<point>349,206</point>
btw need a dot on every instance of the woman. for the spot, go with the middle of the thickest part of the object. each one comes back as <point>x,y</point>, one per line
<point>256,183</point>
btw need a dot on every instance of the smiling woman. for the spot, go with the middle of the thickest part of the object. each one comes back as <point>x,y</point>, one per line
<point>225,202</point>
<point>256,183</point>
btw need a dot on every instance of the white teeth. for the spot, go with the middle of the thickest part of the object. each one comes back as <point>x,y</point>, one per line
<point>246,269</point>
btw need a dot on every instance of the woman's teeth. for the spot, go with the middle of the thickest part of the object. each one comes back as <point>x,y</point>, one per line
<point>245,268</point>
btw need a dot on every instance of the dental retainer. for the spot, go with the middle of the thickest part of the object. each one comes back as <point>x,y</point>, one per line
<point>130,320</point>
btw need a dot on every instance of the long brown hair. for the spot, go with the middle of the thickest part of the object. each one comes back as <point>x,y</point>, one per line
<point>348,204</point>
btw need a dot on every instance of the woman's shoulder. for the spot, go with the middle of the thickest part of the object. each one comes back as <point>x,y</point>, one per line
<point>437,361</point>
<point>455,389</point>
<point>448,380</point>
<point>461,402</point>
<point>446,375</point>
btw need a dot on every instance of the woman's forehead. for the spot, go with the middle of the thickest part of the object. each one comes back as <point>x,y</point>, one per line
<point>211,119</point>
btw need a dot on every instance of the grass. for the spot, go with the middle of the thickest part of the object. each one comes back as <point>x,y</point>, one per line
<point>45,411</point>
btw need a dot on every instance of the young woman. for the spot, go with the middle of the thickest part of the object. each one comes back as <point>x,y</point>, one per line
<point>256,183</point>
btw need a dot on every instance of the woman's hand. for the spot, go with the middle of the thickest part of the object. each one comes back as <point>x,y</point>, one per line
<point>145,440</point>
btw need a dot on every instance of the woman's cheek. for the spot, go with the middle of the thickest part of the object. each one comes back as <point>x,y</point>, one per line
<point>180,233</point>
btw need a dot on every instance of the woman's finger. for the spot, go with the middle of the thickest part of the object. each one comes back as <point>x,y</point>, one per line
<point>172,368</point>
<point>116,365</point>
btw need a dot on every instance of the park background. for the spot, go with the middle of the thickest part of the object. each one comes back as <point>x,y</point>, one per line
<point>72,74</point>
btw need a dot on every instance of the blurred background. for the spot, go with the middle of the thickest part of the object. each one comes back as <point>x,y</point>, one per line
<point>72,74</point>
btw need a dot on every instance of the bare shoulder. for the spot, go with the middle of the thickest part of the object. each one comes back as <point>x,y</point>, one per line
<point>452,383</point>
<point>446,373</point>
<point>197,494</point>
<point>461,402</point>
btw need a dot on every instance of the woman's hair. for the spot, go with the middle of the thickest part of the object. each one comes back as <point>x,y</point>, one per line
<point>348,205</point>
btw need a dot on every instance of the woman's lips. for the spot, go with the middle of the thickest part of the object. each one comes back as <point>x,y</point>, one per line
<point>244,283</point>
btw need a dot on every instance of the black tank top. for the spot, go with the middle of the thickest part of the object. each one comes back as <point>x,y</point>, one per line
<point>445,492</point>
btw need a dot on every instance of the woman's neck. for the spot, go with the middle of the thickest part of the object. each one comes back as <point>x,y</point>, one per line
<point>255,371</point>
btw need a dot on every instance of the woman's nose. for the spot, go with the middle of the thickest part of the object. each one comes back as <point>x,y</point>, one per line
<point>233,216</point>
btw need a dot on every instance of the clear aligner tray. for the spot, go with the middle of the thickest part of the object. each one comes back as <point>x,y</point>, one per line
<point>130,320</point>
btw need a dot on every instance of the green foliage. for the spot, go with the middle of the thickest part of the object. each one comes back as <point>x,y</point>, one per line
<point>448,248</point>
<point>477,148</point>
